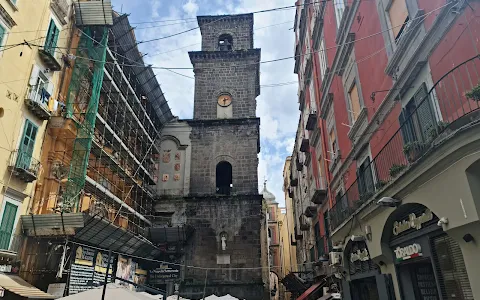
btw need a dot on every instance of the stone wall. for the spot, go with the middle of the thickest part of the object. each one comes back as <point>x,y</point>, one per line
<point>234,141</point>
<point>235,73</point>
<point>240,27</point>
<point>239,219</point>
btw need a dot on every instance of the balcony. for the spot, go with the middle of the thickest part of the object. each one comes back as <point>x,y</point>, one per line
<point>10,243</point>
<point>457,103</point>
<point>298,235</point>
<point>304,146</point>
<point>304,226</point>
<point>47,54</point>
<point>298,164</point>
<point>24,166</point>
<point>291,193</point>
<point>319,194</point>
<point>36,100</point>
<point>310,211</point>
<point>311,121</point>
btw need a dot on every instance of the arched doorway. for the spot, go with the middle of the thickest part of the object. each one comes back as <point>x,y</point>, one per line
<point>428,262</point>
<point>224,178</point>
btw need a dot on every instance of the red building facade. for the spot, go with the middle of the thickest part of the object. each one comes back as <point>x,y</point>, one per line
<point>383,86</point>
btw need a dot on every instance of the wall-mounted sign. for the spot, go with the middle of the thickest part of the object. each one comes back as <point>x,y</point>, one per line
<point>408,252</point>
<point>56,289</point>
<point>164,272</point>
<point>413,222</point>
<point>359,255</point>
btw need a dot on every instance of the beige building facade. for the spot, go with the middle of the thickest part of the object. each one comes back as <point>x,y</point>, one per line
<point>31,35</point>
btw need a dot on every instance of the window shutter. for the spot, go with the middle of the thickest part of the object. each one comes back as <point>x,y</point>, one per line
<point>406,127</point>
<point>398,14</point>
<point>34,75</point>
<point>425,116</point>
<point>2,34</point>
<point>6,227</point>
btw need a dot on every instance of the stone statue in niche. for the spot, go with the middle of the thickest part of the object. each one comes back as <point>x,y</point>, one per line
<point>223,238</point>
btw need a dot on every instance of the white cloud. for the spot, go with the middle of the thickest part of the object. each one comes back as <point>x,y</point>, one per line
<point>191,8</point>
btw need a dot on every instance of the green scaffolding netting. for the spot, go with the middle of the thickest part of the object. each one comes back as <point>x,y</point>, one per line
<point>82,106</point>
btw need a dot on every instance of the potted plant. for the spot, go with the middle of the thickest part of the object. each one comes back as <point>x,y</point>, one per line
<point>380,184</point>
<point>412,150</point>
<point>396,169</point>
<point>474,94</point>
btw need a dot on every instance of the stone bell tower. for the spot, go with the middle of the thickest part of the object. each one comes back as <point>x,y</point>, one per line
<point>223,205</point>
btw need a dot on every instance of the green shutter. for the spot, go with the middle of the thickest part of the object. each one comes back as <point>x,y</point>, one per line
<point>52,38</point>
<point>2,34</point>
<point>27,143</point>
<point>6,227</point>
<point>425,115</point>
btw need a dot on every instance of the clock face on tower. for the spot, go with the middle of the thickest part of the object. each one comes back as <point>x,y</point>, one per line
<point>224,100</point>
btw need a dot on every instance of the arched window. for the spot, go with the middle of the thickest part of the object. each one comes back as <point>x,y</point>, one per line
<point>225,42</point>
<point>224,178</point>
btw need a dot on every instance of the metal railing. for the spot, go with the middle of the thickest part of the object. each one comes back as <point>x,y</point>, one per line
<point>421,122</point>
<point>38,94</point>
<point>10,242</point>
<point>24,161</point>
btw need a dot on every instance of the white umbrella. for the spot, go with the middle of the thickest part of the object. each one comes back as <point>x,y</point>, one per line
<point>226,297</point>
<point>113,292</point>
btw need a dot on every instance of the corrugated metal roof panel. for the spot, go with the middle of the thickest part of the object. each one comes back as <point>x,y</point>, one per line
<point>68,220</point>
<point>93,13</point>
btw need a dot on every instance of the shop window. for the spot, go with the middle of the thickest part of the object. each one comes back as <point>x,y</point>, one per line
<point>399,18</point>
<point>354,103</point>
<point>225,42</point>
<point>224,178</point>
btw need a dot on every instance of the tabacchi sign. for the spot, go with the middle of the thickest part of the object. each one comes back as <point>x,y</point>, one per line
<point>412,222</point>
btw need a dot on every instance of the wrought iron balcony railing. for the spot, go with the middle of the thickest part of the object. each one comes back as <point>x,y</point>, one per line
<point>36,100</point>
<point>452,102</point>
<point>24,166</point>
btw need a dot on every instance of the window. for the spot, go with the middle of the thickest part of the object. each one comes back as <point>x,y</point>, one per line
<point>339,8</point>
<point>333,143</point>
<point>323,59</point>
<point>354,103</point>
<point>3,32</point>
<point>52,38</point>
<point>365,179</point>
<point>224,178</point>
<point>27,143</point>
<point>417,118</point>
<point>319,241</point>
<point>225,42</point>
<point>6,226</point>
<point>398,14</point>
<point>313,104</point>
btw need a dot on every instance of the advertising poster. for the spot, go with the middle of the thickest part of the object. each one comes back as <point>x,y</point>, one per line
<point>88,269</point>
<point>126,271</point>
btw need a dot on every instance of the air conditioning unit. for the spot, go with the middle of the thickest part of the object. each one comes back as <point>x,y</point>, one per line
<point>335,258</point>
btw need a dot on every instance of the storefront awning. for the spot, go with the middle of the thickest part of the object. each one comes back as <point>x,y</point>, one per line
<point>22,288</point>
<point>311,290</point>
<point>293,283</point>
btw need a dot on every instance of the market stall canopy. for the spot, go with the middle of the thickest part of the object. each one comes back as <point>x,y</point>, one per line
<point>113,292</point>
<point>22,288</point>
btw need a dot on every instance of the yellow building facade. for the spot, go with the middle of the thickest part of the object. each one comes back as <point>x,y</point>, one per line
<point>288,254</point>
<point>32,35</point>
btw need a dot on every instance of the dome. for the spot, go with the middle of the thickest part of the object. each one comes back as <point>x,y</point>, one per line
<point>267,195</point>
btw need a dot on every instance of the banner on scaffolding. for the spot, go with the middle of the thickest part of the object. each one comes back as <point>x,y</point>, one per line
<point>88,269</point>
<point>128,269</point>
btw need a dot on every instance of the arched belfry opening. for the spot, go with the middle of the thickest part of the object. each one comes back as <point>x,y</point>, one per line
<point>224,178</point>
<point>225,42</point>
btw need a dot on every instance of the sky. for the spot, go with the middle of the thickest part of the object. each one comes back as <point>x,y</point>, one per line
<point>277,107</point>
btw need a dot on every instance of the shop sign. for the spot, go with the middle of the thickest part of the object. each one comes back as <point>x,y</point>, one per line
<point>413,222</point>
<point>411,251</point>
<point>359,255</point>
